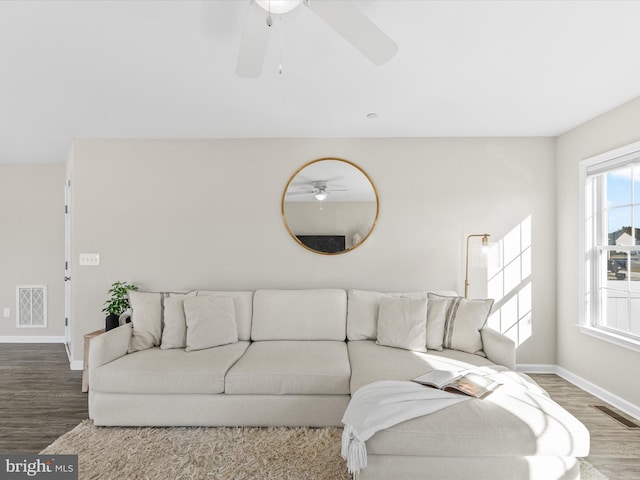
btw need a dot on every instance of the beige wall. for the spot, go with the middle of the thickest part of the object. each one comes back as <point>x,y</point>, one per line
<point>32,242</point>
<point>604,364</point>
<point>180,214</point>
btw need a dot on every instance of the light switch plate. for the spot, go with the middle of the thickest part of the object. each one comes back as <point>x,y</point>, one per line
<point>6,312</point>
<point>90,259</point>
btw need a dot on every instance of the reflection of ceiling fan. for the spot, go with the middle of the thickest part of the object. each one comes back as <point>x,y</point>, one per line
<point>340,15</point>
<point>319,189</point>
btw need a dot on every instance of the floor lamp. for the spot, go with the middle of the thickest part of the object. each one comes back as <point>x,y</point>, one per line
<point>485,245</point>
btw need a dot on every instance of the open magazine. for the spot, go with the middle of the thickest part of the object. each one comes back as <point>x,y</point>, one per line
<point>466,382</point>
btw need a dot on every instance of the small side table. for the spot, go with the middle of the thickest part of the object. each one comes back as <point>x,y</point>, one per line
<point>85,370</point>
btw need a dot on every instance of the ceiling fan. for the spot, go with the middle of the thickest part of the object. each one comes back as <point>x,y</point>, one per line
<point>319,189</point>
<point>340,15</point>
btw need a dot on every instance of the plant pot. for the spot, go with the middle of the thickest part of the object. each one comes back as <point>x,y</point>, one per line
<point>112,321</point>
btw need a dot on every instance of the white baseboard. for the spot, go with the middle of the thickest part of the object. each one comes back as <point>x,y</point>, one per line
<point>76,365</point>
<point>31,339</point>
<point>589,387</point>
<point>611,398</point>
<point>537,368</point>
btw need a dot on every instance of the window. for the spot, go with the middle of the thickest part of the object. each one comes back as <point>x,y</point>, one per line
<point>610,254</point>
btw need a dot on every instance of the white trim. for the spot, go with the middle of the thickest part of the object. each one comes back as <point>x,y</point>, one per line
<point>76,365</point>
<point>589,315</point>
<point>589,387</point>
<point>32,339</point>
<point>536,368</point>
<point>612,158</point>
<point>619,340</point>
<point>618,402</point>
<point>582,284</point>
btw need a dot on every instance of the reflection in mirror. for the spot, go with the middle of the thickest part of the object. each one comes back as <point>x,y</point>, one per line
<point>330,206</point>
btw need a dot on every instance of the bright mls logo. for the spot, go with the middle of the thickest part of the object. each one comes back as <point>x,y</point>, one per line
<point>52,467</point>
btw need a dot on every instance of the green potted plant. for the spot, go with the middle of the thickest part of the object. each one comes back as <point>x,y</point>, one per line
<point>117,303</point>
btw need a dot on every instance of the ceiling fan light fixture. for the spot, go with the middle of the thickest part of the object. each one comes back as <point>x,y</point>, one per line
<point>321,195</point>
<point>278,7</point>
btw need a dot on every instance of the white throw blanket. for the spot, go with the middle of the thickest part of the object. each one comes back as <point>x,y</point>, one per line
<point>381,405</point>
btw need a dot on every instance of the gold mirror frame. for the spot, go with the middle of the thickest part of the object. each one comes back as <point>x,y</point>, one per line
<point>363,173</point>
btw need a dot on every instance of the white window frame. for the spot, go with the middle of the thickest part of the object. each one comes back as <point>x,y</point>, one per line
<point>588,305</point>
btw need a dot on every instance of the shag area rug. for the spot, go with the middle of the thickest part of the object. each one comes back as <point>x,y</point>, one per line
<point>211,453</point>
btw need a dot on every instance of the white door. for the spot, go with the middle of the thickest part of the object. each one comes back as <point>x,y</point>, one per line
<point>67,267</point>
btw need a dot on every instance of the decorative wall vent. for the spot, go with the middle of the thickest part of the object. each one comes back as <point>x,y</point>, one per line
<point>31,306</point>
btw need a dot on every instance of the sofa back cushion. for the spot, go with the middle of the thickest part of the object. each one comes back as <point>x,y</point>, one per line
<point>299,315</point>
<point>363,306</point>
<point>243,303</point>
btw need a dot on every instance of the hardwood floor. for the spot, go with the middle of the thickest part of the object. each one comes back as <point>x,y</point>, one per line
<point>40,399</point>
<point>615,449</point>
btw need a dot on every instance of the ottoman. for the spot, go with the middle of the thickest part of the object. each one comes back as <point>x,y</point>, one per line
<point>516,433</point>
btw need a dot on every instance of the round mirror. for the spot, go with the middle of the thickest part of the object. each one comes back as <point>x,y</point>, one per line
<point>330,206</point>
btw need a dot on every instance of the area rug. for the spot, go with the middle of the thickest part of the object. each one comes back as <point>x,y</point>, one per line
<point>211,453</point>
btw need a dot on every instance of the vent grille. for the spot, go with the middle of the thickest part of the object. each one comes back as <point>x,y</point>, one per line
<point>616,416</point>
<point>32,306</point>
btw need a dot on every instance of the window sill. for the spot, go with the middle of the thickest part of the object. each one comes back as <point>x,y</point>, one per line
<point>611,337</point>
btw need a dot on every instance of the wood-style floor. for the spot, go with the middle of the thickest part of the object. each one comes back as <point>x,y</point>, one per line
<point>40,399</point>
<point>615,449</point>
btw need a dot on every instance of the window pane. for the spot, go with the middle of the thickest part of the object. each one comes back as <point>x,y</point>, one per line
<point>636,223</point>
<point>619,226</point>
<point>617,311</point>
<point>634,266</point>
<point>636,184</point>
<point>634,320</point>
<point>616,266</point>
<point>619,187</point>
<point>611,284</point>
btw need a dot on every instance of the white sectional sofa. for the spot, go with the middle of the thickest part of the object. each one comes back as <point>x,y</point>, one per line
<point>296,359</point>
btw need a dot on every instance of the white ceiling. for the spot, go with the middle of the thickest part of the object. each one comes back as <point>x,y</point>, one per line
<point>344,183</point>
<point>155,69</point>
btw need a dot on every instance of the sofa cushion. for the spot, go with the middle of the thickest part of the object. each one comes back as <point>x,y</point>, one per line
<point>371,362</point>
<point>299,315</point>
<point>211,322</point>
<point>362,312</point>
<point>168,371</point>
<point>147,317</point>
<point>243,303</point>
<point>174,332</point>
<point>291,367</point>
<point>402,323</point>
<point>455,322</point>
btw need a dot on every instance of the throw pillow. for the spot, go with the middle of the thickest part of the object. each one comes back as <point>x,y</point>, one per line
<point>146,319</point>
<point>402,323</point>
<point>174,333</point>
<point>211,322</point>
<point>455,323</point>
<point>362,312</point>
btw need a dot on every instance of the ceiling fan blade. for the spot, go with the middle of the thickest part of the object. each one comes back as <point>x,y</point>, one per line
<point>255,39</point>
<point>356,28</point>
<point>307,192</point>
<point>332,179</point>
